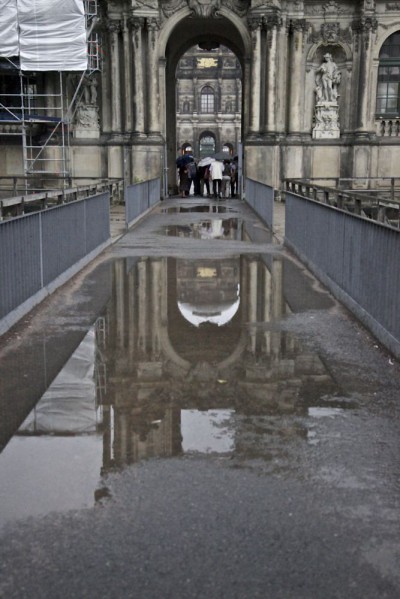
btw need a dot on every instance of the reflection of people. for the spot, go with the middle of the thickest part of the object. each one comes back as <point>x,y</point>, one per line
<point>327,79</point>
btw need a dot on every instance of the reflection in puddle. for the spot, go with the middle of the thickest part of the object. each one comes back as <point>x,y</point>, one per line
<point>182,360</point>
<point>207,432</point>
<point>207,208</point>
<point>216,228</point>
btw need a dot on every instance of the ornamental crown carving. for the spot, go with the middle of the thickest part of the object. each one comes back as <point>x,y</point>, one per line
<point>204,8</point>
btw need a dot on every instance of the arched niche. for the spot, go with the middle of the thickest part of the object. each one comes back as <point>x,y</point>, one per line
<point>342,56</point>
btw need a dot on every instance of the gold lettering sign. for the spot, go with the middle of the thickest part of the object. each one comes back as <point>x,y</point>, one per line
<point>206,272</point>
<point>206,63</point>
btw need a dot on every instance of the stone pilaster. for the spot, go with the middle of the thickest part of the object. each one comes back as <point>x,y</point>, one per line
<point>365,29</point>
<point>114,28</point>
<point>296,75</point>
<point>255,25</point>
<point>153,25</point>
<point>137,24</point>
<point>272,24</point>
<point>128,76</point>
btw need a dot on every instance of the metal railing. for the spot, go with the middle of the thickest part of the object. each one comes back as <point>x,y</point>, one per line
<point>140,197</point>
<point>38,249</point>
<point>354,256</point>
<point>35,199</point>
<point>261,198</point>
<point>381,205</point>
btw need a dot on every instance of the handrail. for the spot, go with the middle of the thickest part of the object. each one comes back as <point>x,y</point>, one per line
<point>372,207</point>
<point>48,197</point>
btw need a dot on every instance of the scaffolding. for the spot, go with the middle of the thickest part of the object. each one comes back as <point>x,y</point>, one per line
<point>39,107</point>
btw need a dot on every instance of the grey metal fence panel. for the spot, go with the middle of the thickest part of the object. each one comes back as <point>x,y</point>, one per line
<point>139,197</point>
<point>20,261</point>
<point>154,191</point>
<point>62,250</point>
<point>359,256</point>
<point>37,248</point>
<point>97,221</point>
<point>261,198</point>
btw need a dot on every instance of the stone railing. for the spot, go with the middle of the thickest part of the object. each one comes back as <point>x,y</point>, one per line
<point>388,127</point>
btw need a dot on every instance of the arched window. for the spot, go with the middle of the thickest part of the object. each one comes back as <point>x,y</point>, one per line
<point>207,99</point>
<point>388,94</point>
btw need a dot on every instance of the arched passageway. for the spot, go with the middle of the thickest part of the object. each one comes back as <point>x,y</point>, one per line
<point>208,33</point>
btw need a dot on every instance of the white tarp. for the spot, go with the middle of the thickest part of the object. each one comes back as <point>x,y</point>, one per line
<point>9,44</point>
<point>52,34</point>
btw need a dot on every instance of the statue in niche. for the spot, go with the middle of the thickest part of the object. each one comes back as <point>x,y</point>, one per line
<point>90,91</point>
<point>327,80</point>
<point>186,106</point>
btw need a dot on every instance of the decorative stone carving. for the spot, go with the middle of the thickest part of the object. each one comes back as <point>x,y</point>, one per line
<point>170,7</point>
<point>204,8</point>
<point>114,26</point>
<point>365,25</point>
<point>87,122</point>
<point>326,116</point>
<point>239,7</point>
<point>393,6</point>
<point>330,33</point>
<point>326,121</point>
<point>143,4</point>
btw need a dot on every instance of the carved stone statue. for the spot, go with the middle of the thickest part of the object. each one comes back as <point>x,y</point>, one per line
<point>90,91</point>
<point>327,80</point>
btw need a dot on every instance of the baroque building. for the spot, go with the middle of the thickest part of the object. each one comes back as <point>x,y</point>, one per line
<point>319,90</point>
<point>208,101</point>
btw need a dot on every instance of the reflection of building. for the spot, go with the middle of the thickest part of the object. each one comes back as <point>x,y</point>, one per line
<point>161,370</point>
<point>209,101</point>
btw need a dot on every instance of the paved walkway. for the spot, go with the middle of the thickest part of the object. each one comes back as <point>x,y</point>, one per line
<point>253,458</point>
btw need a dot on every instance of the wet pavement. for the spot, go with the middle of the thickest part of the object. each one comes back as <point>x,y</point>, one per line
<point>194,415</point>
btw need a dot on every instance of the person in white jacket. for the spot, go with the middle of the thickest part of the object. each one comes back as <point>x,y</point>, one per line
<point>216,169</point>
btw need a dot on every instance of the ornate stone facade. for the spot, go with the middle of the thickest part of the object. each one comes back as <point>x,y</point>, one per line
<point>287,128</point>
<point>208,100</point>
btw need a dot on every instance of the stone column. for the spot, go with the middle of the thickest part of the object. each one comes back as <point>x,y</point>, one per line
<point>114,28</point>
<point>296,75</point>
<point>255,24</point>
<point>365,29</point>
<point>153,26</point>
<point>273,22</point>
<point>127,77</point>
<point>137,25</point>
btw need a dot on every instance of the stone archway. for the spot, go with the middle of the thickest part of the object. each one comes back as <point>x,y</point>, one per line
<point>227,30</point>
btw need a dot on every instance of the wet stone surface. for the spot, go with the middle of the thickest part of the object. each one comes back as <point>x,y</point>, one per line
<point>197,420</point>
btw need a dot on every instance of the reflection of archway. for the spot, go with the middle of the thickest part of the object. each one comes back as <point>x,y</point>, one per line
<point>176,38</point>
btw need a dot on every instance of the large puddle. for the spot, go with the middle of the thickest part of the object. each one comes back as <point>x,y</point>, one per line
<point>187,358</point>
